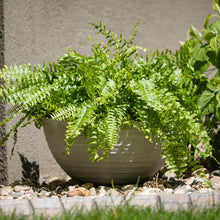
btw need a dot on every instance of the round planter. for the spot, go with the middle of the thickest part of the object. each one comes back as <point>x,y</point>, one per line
<point>132,157</point>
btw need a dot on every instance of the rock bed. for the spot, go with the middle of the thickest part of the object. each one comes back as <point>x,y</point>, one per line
<point>201,190</point>
<point>200,181</point>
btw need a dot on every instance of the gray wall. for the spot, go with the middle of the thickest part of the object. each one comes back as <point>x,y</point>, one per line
<point>3,149</point>
<point>37,31</point>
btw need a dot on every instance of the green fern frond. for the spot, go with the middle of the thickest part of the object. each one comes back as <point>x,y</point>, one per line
<point>113,123</point>
<point>12,115</point>
<point>145,90</point>
<point>64,113</point>
<point>14,129</point>
<point>83,116</point>
<point>28,97</point>
<point>24,74</point>
<point>96,136</point>
<point>105,135</point>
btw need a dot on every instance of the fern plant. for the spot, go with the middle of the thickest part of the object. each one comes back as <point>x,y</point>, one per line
<point>114,86</point>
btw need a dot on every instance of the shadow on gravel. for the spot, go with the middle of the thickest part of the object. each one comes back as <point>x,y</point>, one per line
<point>30,170</point>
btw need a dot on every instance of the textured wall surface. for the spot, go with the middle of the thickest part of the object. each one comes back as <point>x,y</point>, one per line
<point>3,150</point>
<point>37,31</point>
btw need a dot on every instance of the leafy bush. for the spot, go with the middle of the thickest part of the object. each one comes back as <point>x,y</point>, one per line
<point>115,86</point>
<point>203,58</point>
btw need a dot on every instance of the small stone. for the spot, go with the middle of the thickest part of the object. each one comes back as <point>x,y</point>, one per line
<point>79,192</point>
<point>215,179</point>
<point>154,191</point>
<point>41,194</point>
<point>197,186</point>
<point>141,189</point>
<point>216,186</point>
<point>215,182</point>
<point>149,184</point>
<point>92,191</point>
<point>102,190</point>
<point>113,192</point>
<point>168,191</point>
<point>6,191</point>
<point>16,195</point>
<point>128,187</point>
<point>30,193</point>
<point>198,180</point>
<point>189,180</point>
<point>168,174</point>
<point>21,188</point>
<point>71,188</point>
<point>88,185</point>
<point>64,193</point>
<point>215,173</point>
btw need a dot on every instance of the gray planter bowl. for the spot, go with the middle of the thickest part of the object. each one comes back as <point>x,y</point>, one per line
<point>133,156</point>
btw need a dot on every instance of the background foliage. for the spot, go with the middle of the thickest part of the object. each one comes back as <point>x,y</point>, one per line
<point>203,48</point>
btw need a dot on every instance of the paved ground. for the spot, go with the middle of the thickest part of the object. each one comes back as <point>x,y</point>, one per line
<point>55,206</point>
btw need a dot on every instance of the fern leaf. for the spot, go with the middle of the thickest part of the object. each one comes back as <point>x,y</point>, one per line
<point>84,115</point>
<point>113,122</point>
<point>64,113</point>
<point>14,129</point>
<point>146,91</point>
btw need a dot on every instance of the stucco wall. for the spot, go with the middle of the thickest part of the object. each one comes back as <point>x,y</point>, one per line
<point>37,31</point>
<point>3,149</point>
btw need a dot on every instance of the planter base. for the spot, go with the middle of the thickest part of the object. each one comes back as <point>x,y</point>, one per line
<point>132,157</point>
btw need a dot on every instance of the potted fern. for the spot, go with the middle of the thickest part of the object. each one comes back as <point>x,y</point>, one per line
<point>118,86</point>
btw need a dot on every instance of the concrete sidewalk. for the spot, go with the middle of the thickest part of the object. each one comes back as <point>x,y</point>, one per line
<point>56,206</point>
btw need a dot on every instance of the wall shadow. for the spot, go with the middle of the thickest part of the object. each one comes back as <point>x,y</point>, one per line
<point>30,172</point>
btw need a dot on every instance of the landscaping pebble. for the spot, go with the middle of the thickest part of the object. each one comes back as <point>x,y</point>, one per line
<point>201,189</point>
<point>200,181</point>
<point>79,192</point>
<point>6,191</point>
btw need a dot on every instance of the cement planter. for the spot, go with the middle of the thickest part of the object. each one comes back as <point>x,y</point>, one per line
<point>132,157</point>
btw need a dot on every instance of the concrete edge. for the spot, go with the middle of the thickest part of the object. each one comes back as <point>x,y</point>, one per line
<point>56,206</point>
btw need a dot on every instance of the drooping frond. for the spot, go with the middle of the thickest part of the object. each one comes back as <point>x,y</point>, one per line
<point>28,74</point>
<point>64,113</point>
<point>14,128</point>
<point>145,90</point>
<point>105,136</point>
<point>113,123</point>
<point>161,114</point>
<point>83,116</point>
